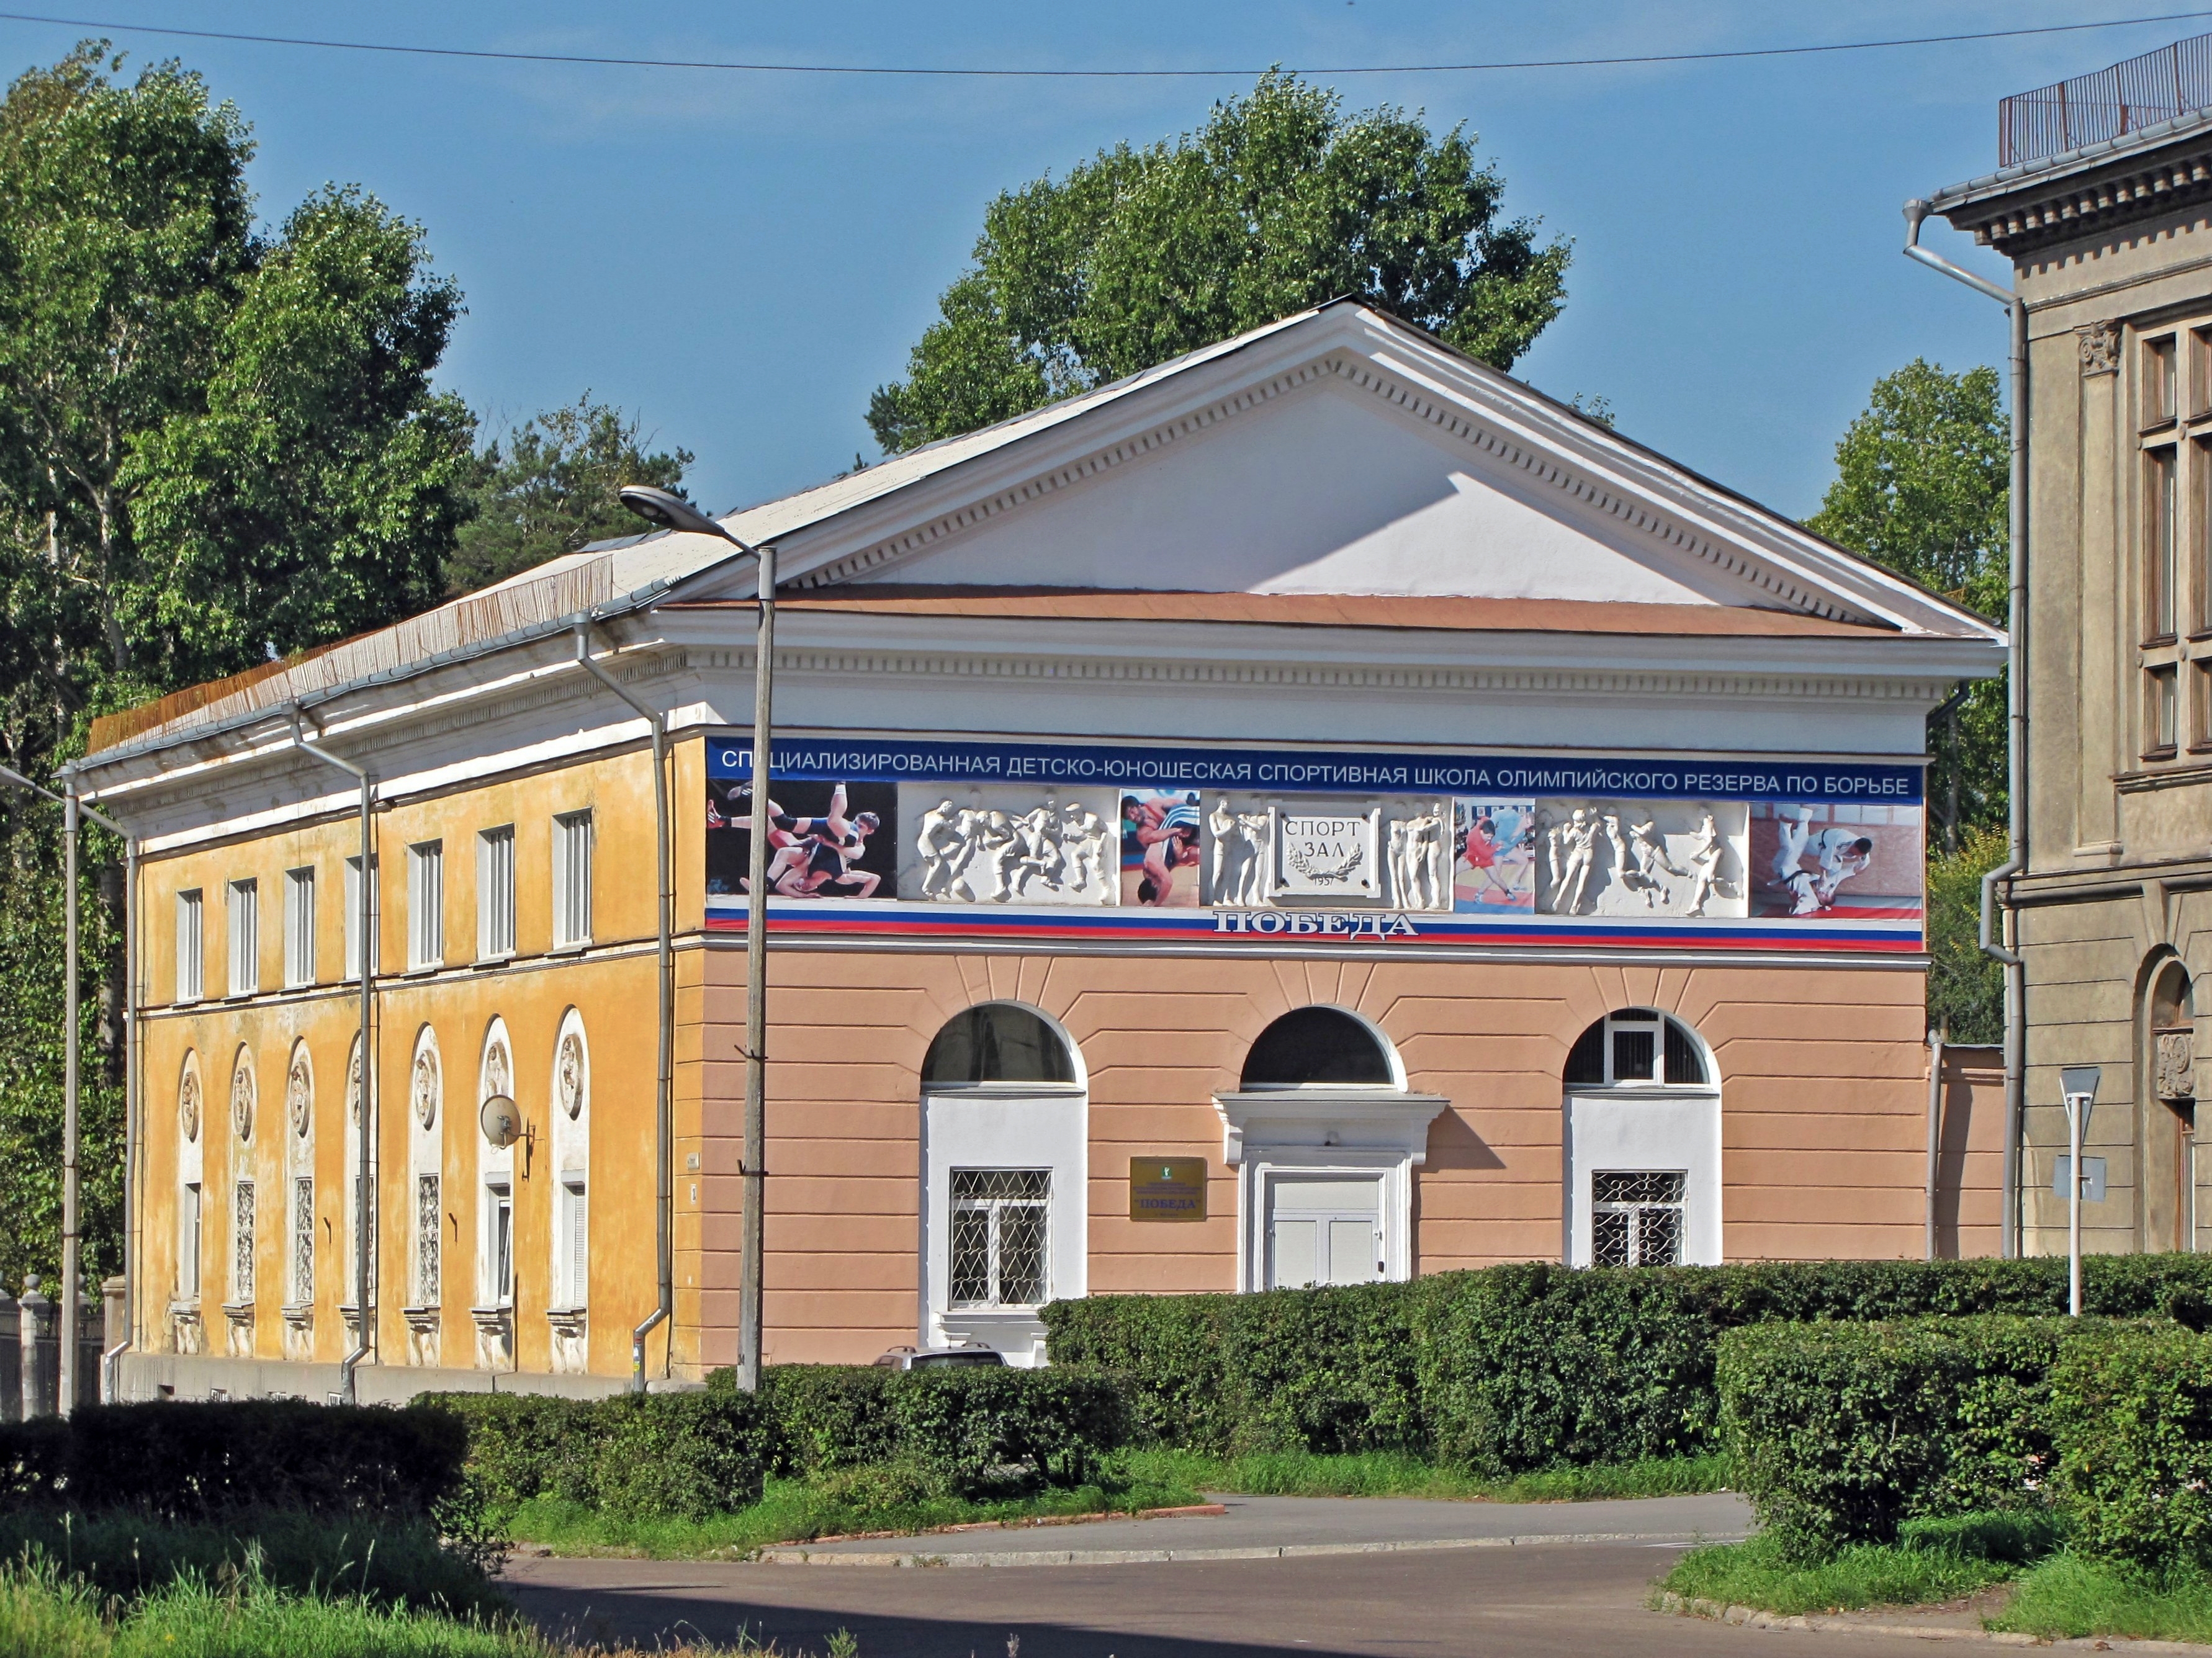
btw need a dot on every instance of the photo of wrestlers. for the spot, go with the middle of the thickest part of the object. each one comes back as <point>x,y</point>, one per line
<point>825,840</point>
<point>1839,861</point>
<point>1494,866</point>
<point>1162,851</point>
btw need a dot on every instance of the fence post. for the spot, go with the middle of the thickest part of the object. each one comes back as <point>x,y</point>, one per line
<point>11,1359</point>
<point>42,1350</point>
<point>91,1343</point>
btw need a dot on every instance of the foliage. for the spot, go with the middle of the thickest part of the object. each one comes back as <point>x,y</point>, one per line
<point>189,1463</point>
<point>551,487</point>
<point>1399,1473</point>
<point>1280,202</point>
<point>1923,488</point>
<point>1966,985</point>
<point>2132,1417</point>
<point>1841,1432</point>
<point>2068,1597</point>
<point>1522,1366</point>
<point>215,445</point>
<point>1765,1574</point>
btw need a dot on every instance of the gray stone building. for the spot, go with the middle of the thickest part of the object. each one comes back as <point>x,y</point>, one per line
<point>2104,206</point>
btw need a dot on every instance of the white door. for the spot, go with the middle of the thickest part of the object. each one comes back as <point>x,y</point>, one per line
<point>1324,1230</point>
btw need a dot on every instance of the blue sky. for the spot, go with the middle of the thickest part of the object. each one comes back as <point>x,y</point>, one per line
<point>740,259</point>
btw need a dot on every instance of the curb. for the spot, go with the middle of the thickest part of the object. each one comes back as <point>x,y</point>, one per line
<point>1189,1511</point>
<point>806,1556</point>
<point>1753,1618</point>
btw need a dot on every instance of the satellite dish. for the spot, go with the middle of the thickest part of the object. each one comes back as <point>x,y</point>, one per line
<point>502,1119</point>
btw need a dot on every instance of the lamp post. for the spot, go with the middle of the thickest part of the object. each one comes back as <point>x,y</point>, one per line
<point>72,810</point>
<point>2078,1083</point>
<point>672,512</point>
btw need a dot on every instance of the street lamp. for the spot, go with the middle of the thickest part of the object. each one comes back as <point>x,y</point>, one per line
<point>672,512</point>
<point>2078,1083</point>
<point>72,810</point>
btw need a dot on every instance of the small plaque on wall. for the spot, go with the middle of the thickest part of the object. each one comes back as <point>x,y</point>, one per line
<point>1167,1188</point>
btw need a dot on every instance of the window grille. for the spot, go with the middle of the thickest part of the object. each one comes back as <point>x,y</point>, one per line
<point>427,1213</point>
<point>303,1240</point>
<point>426,904</point>
<point>572,878</point>
<point>245,938</point>
<point>999,1218</point>
<point>241,1239</point>
<point>1636,1218</point>
<point>188,1243</point>
<point>353,918</point>
<point>299,926</point>
<point>191,948</point>
<point>495,893</point>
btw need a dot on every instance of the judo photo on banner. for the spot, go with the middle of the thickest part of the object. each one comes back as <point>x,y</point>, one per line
<point>1494,866</point>
<point>825,840</point>
<point>1162,848</point>
<point>1836,860</point>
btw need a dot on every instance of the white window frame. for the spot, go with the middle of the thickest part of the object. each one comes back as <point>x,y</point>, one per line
<point>1640,1126</point>
<point>495,893</point>
<point>994,1208</point>
<point>191,945</point>
<point>429,1274</point>
<point>426,906</point>
<point>574,834</point>
<point>190,1218</point>
<point>353,917</point>
<point>244,1240</point>
<point>575,1242</point>
<point>299,927</point>
<point>301,1246</point>
<point>243,913</point>
<point>499,1241</point>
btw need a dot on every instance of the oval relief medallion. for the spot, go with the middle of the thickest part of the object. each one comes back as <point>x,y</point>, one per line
<point>188,1105</point>
<point>241,1100</point>
<point>297,1102</point>
<point>569,1069</point>
<point>426,1088</point>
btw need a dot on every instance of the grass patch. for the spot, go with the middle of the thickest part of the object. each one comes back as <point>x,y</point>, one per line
<point>2067,1596</point>
<point>872,1499</point>
<point>1759,1573</point>
<point>1395,1474</point>
<point>46,1614</point>
<point>380,1561</point>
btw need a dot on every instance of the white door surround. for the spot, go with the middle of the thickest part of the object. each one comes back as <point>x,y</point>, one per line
<point>1275,1134</point>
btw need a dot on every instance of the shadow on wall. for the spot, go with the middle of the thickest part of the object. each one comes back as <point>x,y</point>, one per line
<point>1970,1154</point>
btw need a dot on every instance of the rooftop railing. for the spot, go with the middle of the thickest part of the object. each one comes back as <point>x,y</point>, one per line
<point>2107,104</point>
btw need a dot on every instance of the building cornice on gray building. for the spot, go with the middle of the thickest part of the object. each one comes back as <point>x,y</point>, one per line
<point>2085,192</point>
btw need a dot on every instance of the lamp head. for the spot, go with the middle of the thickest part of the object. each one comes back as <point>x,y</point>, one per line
<point>668,511</point>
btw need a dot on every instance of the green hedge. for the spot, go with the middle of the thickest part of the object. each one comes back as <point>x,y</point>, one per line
<point>188,1462</point>
<point>1520,1367</point>
<point>1840,1433</point>
<point>2132,1417</point>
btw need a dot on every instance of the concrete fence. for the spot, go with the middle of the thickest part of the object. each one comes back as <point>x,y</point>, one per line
<point>31,1352</point>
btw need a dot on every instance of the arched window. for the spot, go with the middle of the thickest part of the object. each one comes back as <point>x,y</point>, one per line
<point>568,1277</point>
<point>1637,1045</point>
<point>189,1189</point>
<point>2169,1173</point>
<point>1323,1046</point>
<point>997,1042</point>
<point>299,1183</point>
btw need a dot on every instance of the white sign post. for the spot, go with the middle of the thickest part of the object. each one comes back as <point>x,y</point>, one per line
<point>2078,1083</point>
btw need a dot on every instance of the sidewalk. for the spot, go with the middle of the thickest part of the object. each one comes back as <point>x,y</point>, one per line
<point>1279,1527</point>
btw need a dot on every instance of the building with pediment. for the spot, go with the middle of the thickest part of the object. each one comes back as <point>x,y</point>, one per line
<point>1316,811</point>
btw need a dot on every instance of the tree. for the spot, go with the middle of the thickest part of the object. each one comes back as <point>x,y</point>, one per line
<point>1280,202</point>
<point>215,447</point>
<point>1922,487</point>
<point>554,486</point>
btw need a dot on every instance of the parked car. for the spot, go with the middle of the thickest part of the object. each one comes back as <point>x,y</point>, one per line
<point>940,1358</point>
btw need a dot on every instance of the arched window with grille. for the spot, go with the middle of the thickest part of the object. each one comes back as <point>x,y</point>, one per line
<point>1642,1106</point>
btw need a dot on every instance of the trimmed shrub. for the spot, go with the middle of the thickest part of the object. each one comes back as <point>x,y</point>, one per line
<point>1519,1367</point>
<point>823,1417</point>
<point>1839,1433</point>
<point>190,1461</point>
<point>2132,1417</point>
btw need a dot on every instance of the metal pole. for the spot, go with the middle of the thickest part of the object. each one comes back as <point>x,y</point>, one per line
<point>70,1246</point>
<point>2074,1207</point>
<point>749,1262</point>
<point>1935,1039</point>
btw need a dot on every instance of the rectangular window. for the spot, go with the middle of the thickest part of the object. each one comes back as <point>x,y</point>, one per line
<point>2200,371</point>
<point>426,904</point>
<point>1636,1218</point>
<point>242,1243</point>
<point>353,917</point>
<point>2200,682</point>
<point>299,926</point>
<point>502,1199</point>
<point>574,1235</point>
<point>2159,569</point>
<point>245,938</point>
<point>999,1223</point>
<point>188,1243</point>
<point>191,948</point>
<point>2158,386</point>
<point>303,1240</point>
<point>2161,718</point>
<point>428,1219</point>
<point>572,878</point>
<point>495,893</point>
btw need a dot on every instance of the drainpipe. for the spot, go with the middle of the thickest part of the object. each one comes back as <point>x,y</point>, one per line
<point>2015,999</point>
<point>363,924</point>
<point>1935,1037</point>
<point>665,1112</point>
<point>111,1362</point>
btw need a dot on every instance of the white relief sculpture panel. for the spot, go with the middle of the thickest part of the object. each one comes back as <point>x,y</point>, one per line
<point>1641,858</point>
<point>1240,840</point>
<point>1419,862</point>
<point>998,844</point>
